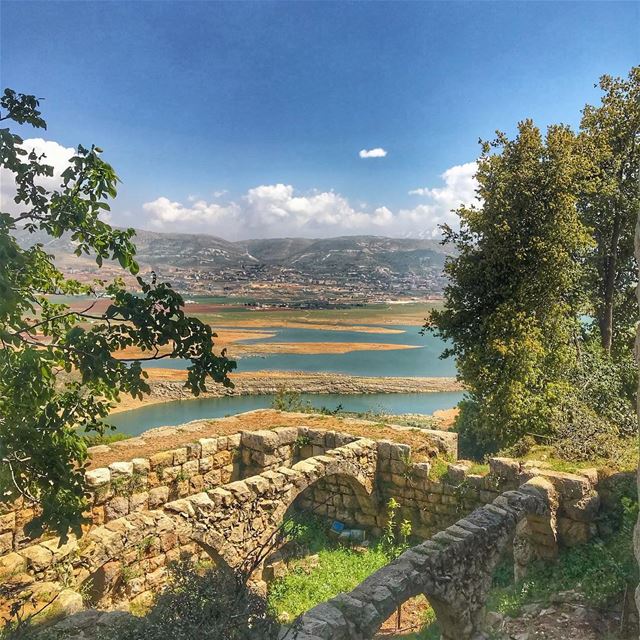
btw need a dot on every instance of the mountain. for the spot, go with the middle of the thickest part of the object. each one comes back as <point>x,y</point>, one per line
<point>369,259</point>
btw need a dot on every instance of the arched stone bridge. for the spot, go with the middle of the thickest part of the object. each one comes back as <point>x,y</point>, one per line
<point>231,522</point>
<point>453,569</point>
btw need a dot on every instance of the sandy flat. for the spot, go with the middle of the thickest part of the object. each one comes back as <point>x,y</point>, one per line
<point>167,385</point>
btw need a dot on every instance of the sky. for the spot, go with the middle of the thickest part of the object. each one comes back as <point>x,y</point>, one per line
<point>315,119</point>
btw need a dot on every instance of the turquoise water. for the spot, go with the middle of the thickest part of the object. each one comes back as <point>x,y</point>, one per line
<point>172,413</point>
<point>423,361</point>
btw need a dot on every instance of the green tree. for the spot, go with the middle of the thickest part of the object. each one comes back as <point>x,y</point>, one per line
<point>609,204</point>
<point>513,299</point>
<point>59,374</point>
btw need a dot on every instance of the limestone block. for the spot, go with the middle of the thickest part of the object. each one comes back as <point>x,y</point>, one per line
<point>384,450</point>
<point>170,474</point>
<point>223,443</point>
<point>121,469</point>
<point>206,464</point>
<point>105,579</point>
<point>158,497</point>
<point>233,441</point>
<point>97,477</point>
<point>8,522</point>
<point>212,478</point>
<point>116,507</point>
<point>138,501</point>
<point>97,515</point>
<point>584,509</point>
<point>196,484</point>
<point>59,549</point>
<point>179,456</point>
<point>6,542</point>
<point>570,486</point>
<point>141,466</point>
<point>194,450</point>
<point>161,460</point>
<point>38,557</point>
<point>208,446</point>
<point>572,533</point>
<point>505,469</point>
<point>222,458</point>
<point>191,467</point>
<point>400,451</point>
<point>227,473</point>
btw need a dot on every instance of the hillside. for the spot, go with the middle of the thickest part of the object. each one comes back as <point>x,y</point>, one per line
<point>399,264</point>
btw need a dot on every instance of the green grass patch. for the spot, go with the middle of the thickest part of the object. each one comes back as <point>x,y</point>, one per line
<point>95,439</point>
<point>439,469</point>
<point>479,469</point>
<point>600,570</point>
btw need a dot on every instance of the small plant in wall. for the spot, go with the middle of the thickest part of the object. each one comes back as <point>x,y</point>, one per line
<point>396,534</point>
<point>302,441</point>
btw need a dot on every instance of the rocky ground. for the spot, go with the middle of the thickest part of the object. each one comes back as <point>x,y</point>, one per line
<point>565,617</point>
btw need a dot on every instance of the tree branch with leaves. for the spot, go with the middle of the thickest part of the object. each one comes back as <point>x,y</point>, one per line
<point>61,369</point>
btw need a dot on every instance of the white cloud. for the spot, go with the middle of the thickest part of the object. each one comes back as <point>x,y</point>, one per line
<point>378,152</point>
<point>56,156</point>
<point>274,210</point>
<point>459,188</point>
<point>164,212</point>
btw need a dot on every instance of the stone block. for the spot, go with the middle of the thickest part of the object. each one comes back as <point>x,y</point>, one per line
<point>179,456</point>
<point>506,470</point>
<point>233,441</point>
<point>194,450</point>
<point>191,467</point>
<point>121,469</point>
<point>97,478</point>
<point>212,478</point>
<point>38,557</point>
<point>222,458</point>
<point>160,460</point>
<point>572,533</point>
<point>584,509</point>
<point>141,466</point>
<point>116,508</point>
<point>12,564</point>
<point>6,542</point>
<point>138,502</point>
<point>208,446</point>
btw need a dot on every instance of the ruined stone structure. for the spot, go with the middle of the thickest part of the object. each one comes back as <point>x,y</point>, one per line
<point>453,570</point>
<point>224,497</point>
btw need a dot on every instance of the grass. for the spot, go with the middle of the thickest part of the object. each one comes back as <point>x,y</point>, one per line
<point>600,570</point>
<point>439,469</point>
<point>547,454</point>
<point>340,569</point>
<point>95,439</point>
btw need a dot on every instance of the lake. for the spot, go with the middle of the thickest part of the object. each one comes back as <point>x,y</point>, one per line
<point>423,361</point>
<point>177,412</point>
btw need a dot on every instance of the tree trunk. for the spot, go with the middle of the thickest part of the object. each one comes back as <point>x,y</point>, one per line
<point>606,311</point>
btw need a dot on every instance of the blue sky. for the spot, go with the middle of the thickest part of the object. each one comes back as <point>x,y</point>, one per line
<point>246,119</point>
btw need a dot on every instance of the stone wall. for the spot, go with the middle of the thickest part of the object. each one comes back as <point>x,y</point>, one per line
<point>433,502</point>
<point>453,570</point>
<point>223,496</point>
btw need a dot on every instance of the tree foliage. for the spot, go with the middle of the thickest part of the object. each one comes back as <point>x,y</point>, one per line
<point>550,243</point>
<point>513,296</point>
<point>59,367</point>
<point>609,204</point>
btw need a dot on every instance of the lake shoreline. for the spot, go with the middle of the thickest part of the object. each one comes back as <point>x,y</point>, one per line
<point>167,385</point>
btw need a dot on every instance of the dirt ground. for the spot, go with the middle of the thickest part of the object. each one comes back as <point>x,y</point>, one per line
<point>172,437</point>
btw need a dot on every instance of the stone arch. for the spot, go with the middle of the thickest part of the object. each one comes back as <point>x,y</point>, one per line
<point>340,497</point>
<point>453,570</point>
<point>241,517</point>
